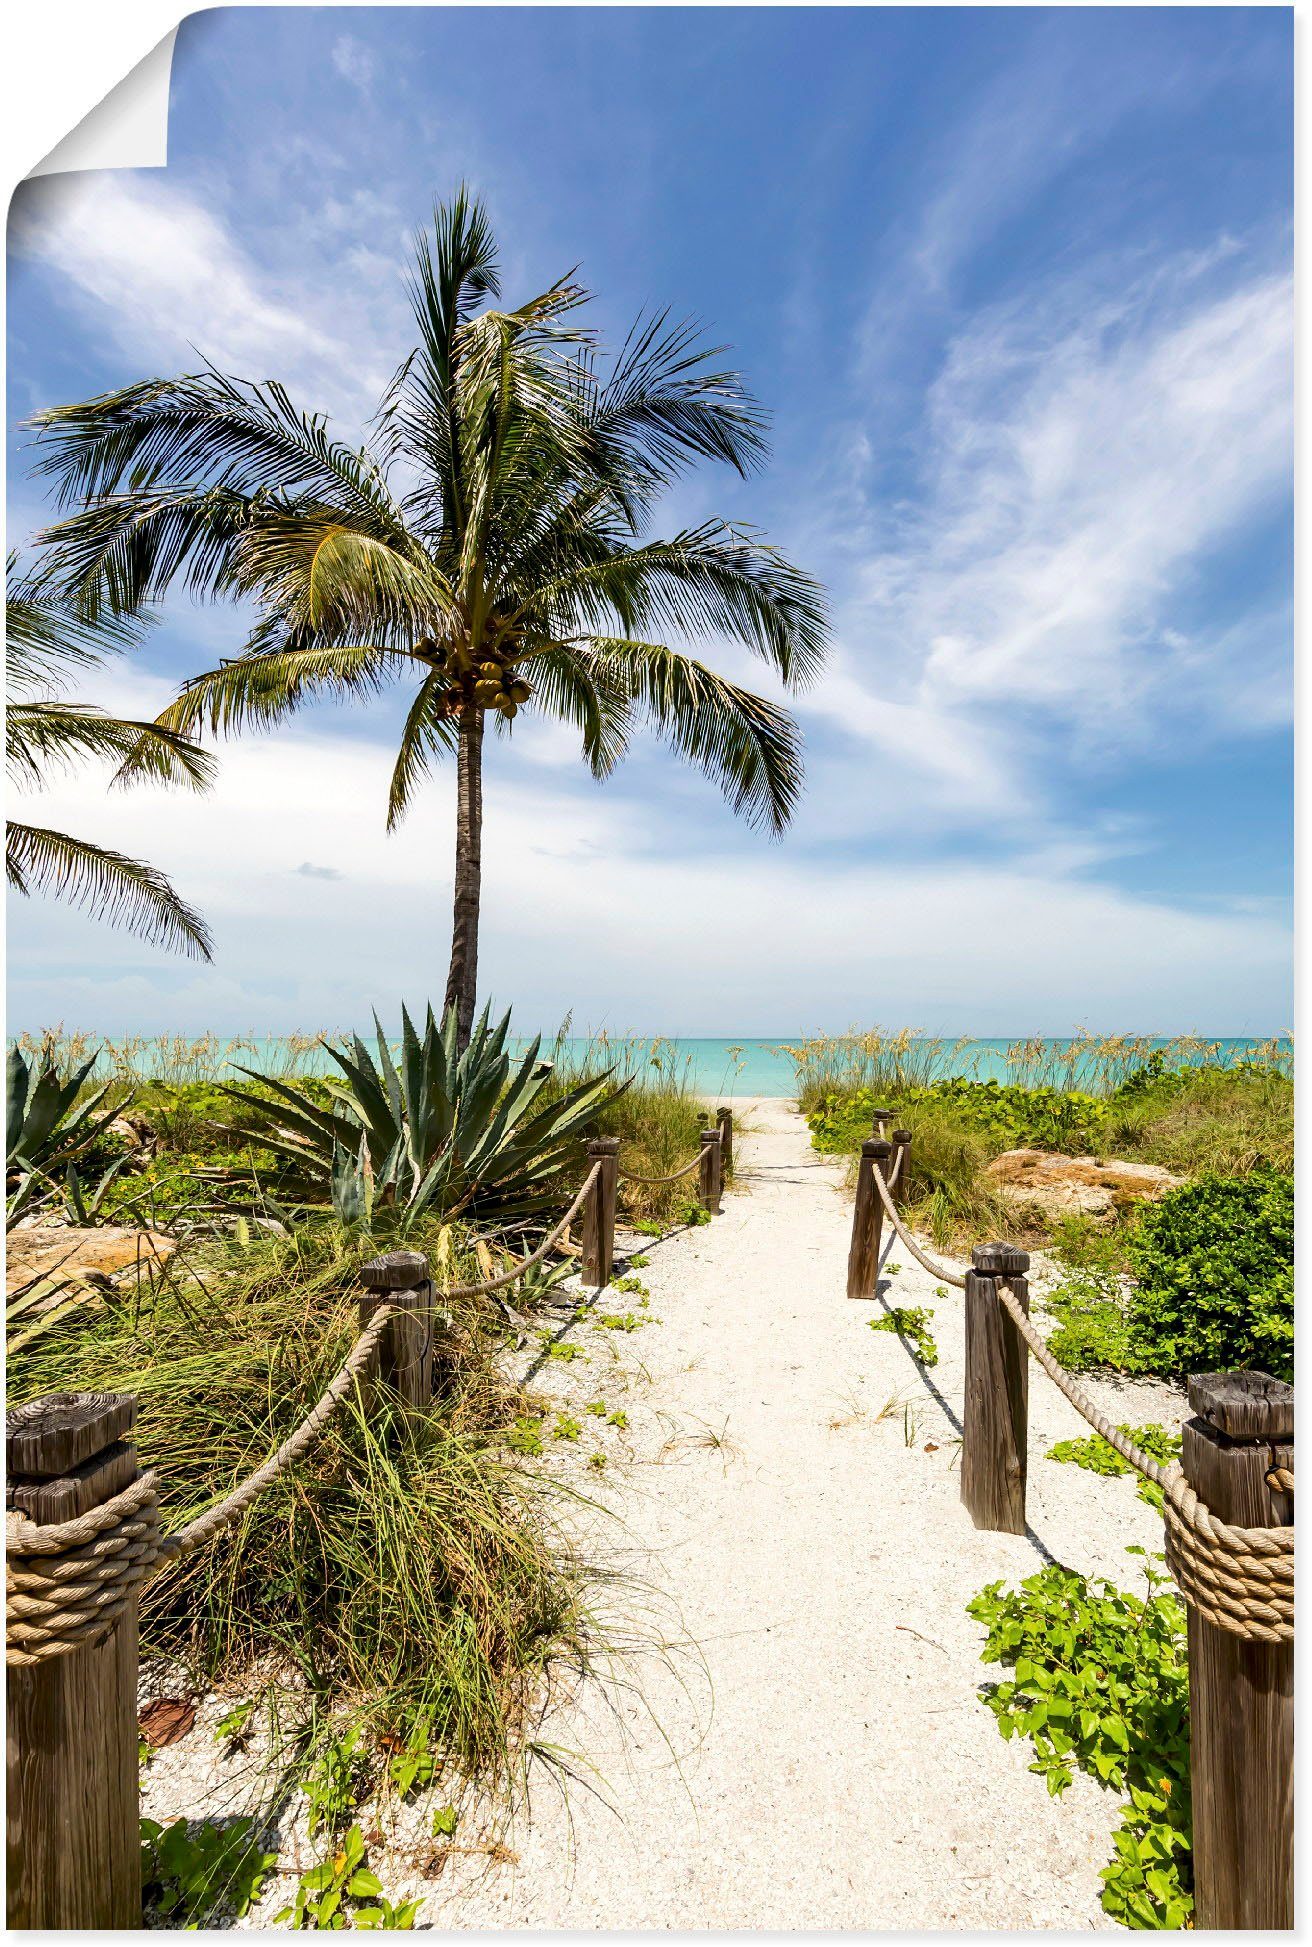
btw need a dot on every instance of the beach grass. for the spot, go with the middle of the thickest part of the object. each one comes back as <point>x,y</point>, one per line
<point>399,1574</point>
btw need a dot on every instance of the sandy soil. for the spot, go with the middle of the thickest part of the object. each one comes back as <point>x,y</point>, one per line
<point>802,1745</point>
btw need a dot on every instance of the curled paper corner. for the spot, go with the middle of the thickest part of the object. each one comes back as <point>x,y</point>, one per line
<point>129,129</point>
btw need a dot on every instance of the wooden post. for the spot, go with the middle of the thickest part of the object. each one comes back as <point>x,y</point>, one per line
<point>902,1148</point>
<point>724,1117</point>
<point>996,1416</point>
<point>599,1212</point>
<point>1241,1694</point>
<point>405,1355</point>
<point>74,1851</point>
<point>867,1220</point>
<point>879,1125</point>
<point>710,1175</point>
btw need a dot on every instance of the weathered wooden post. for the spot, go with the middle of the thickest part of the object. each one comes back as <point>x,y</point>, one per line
<point>724,1117</point>
<point>74,1851</point>
<point>880,1122</point>
<point>1241,1693</point>
<point>710,1176</point>
<point>405,1352</point>
<point>867,1219</point>
<point>996,1416</point>
<point>598,1256</point>
<point>902,1155</point>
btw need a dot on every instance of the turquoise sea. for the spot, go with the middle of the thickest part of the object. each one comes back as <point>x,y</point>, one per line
<point>713,1067</point>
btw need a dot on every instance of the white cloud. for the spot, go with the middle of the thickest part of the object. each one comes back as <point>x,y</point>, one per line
<point>171,280</point>
<point>1084,462</point>
<point>701,942</point>
<point>354,62</point>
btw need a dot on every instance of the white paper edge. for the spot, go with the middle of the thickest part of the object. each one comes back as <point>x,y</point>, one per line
<point>129,129</point>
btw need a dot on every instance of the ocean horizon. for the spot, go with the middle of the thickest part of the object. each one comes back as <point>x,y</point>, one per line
<point>719,1066</point>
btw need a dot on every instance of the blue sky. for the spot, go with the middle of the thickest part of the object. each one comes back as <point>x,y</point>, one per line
<point>1016,288</point>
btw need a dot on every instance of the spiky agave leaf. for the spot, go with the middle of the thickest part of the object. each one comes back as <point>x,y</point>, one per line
<point>441,1129</point>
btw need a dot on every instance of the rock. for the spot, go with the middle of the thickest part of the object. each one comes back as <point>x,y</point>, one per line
<point>134,1132</point>
<point>63,1251</point>
<point>1062,1186</point>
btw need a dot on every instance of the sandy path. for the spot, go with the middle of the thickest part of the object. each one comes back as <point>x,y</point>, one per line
<point>821,1759</point>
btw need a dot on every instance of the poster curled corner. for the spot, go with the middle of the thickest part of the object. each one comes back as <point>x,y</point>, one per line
<point>129,129</point>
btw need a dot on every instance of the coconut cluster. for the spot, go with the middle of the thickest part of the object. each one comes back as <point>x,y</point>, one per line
<point>491,682</point>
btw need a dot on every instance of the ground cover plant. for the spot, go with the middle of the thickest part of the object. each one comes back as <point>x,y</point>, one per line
<point>1098,1456</point>
<point>1099,1681</point>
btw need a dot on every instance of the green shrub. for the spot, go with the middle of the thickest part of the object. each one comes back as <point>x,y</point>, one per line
<point>1100,1681</point>
<point>1092,1328</point>
<point>1011,1116</point>
<point>1214,1270</point>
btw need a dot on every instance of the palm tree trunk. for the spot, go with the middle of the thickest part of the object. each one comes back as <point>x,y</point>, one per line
<point>462,981</point>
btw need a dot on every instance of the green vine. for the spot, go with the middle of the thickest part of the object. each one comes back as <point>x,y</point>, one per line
<point>1100,1682</point>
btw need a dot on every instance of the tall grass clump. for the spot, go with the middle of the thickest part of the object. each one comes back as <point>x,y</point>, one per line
<point>396,1573</point>
<point>1227,1120</point>
<point>658,1117</point>
<point>179,1060</point>
<point>886,1064</point>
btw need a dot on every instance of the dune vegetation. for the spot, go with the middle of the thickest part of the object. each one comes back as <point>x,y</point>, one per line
<point>409,1589</point>
<point>1201,1278</point>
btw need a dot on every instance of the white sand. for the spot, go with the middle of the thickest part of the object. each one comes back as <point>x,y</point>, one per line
<point>810,1750</point>
<point>832,1765</point>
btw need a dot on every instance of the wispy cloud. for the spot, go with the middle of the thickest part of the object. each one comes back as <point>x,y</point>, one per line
<point>171,280</point>
<point>1085,457</point>
<point>354,61</point>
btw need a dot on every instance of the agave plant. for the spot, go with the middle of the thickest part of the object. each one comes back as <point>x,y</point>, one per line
<point>460,1133</point>
<point>46,1127</point>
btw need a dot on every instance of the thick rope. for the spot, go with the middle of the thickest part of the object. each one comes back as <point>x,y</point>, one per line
<point>66,1584</point>
<point>935,1270</point>
<point>527,1263</point>
<point>649,1182</point>
<point>68,1581</point>
<point>1240,1579</point>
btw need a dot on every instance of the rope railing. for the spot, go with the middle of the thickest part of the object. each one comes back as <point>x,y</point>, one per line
<point>552,1238</point>
<point>70,1580</point>
<point>1239,1579</point>
<point>927,1263</point>
<point>628,1176</point>
<point>1227,1508</point>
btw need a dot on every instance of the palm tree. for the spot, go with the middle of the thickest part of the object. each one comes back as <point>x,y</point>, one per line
<point>488,541</point>
<point>47,639</point>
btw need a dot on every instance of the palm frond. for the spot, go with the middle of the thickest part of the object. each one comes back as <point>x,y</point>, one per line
<point>747,745</point>
<point>428,733</point>
<point>206,427</point>
<point>583,691</point>
<point>711,579</point>
<point>45,733</point>
<point>327,578</point>
<point>122,891</point>
<point>47,635</point>
<point>258,690</point>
